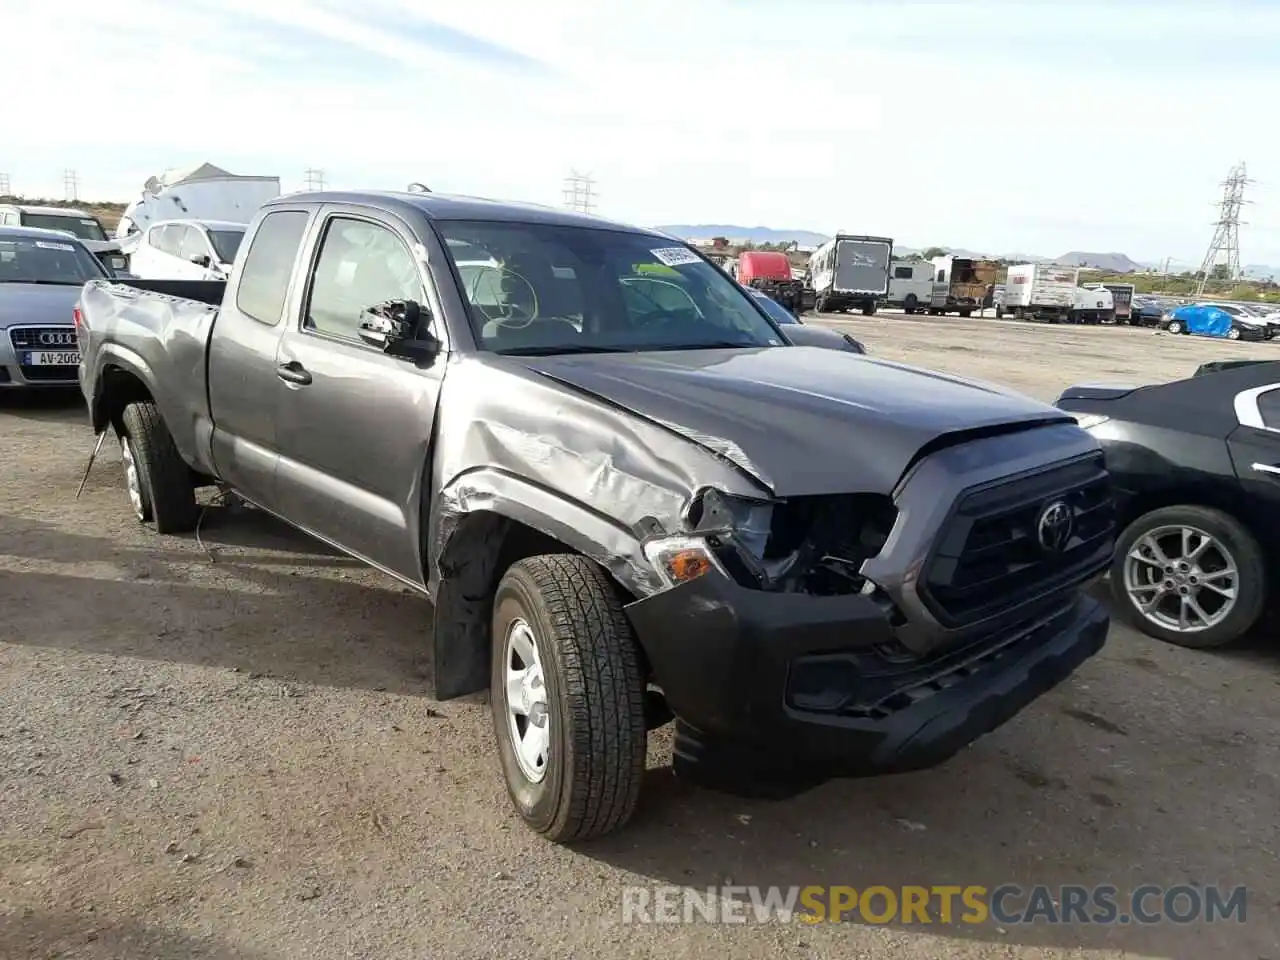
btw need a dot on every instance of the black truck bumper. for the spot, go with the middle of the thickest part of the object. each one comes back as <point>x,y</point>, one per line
<point>790,687</point>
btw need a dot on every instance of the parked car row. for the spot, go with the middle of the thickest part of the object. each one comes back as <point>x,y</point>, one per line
<point>1232,321</point>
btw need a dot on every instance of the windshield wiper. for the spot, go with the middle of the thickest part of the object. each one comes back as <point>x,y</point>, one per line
<point>51,283</point>
<point>550,351</point>
<point>705,345</point>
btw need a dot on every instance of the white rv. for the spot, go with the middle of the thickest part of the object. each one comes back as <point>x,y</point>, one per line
<point>910,285</point>
<point>851,272</point>
<point>1040,291</point>
<point>203,193</point>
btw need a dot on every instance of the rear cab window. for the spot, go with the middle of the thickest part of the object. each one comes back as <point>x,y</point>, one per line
<point>267,270</point>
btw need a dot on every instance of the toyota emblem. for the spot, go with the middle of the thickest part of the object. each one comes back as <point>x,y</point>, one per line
<point>57,338</point>
<point>1054,526</point>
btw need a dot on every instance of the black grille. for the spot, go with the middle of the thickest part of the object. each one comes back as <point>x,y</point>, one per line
<point>989,557</point>
<point>29,338</point>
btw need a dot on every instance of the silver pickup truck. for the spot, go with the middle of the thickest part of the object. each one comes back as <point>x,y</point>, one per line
<point>629,496</point>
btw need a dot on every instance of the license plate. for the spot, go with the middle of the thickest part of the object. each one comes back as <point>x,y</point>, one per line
<point>53,358</point>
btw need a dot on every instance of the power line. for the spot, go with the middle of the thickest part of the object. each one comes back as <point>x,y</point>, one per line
<point>1225,245</point>
<point>579,192</point>
<point>315,179</point>
<point>71,185</point>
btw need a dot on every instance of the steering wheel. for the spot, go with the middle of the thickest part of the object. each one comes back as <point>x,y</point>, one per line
<point>510,315</point>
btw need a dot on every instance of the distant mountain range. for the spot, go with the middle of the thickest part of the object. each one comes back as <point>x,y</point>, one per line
<point>705,231</point>
<point>1110,262</point>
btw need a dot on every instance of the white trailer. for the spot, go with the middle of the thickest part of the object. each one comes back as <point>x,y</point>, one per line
<point>203,193</point>
<point>910,285</point>
<point>851,273</point>
<point>1040,291</point>
<point>961,284</point>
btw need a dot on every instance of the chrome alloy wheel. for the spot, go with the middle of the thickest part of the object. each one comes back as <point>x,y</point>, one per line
<point>132,482</point>
<point>525,693</point>
<point>1181,578</point>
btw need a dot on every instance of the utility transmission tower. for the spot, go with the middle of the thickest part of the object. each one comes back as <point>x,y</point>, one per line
<point>579,192</point>
<point>71,185</point>
<point>5,189</point>
<point>1225,245</point>
<point>315,179</point>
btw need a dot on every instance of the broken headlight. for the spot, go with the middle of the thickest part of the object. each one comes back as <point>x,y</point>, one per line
<point>813,545</point>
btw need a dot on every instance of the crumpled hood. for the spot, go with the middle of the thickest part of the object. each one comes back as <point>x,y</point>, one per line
<point>802,420</point>
<point>41,303</point>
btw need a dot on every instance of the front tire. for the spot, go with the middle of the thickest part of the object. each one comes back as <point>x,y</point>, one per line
<point>567,693</point>
<point>1175,326</point>
<point>1189,575</point>
<point>157,478</point>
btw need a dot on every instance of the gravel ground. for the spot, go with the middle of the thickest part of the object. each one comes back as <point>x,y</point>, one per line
<point>221,747</point>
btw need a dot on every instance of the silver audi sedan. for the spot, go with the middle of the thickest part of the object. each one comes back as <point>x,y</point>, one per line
<point>41,273</point>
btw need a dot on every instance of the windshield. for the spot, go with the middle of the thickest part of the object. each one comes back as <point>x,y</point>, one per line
<point>774,309</point>
<point>86,228</point>
<point>544,288</point>
<point>28,260</point>
<point>226,243</point>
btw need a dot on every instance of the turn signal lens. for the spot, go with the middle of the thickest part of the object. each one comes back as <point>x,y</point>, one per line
<point>681,559</point>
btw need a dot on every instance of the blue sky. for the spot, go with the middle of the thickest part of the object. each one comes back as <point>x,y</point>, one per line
<point>990,124</point>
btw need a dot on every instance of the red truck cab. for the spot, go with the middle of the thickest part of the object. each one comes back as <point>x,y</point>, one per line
<point>763,265</point>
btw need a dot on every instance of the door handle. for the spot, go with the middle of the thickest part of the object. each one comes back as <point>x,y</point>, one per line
<point>293,372</point>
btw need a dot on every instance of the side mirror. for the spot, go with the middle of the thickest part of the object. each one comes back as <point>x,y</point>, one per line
<point>394,327</point>
<point>202,260</point>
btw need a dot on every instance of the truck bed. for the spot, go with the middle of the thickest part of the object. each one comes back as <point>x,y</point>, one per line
<point>161,327</point>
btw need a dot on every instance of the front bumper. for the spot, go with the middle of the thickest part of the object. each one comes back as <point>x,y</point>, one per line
<point>795,686</point>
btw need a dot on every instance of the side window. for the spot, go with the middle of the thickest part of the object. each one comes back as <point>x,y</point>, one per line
<point>942,276</point>
<point>164,239</point>
<point>902,273</point>
<point>268,266</point>
<point>193,244</point>
<point>1269,407</point>
<point>360,265</point>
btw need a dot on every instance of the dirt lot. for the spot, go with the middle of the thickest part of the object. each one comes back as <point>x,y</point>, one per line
<point>222,749</point>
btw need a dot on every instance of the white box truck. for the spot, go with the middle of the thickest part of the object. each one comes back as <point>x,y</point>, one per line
<point>910,285</point>
<point>1040,291</point>
<point>850,272</point>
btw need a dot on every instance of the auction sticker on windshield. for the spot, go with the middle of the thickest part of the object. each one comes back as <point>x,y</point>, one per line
<point>676,256</point>
<point>45,245</point>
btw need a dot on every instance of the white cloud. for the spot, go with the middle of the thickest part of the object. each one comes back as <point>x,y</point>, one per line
<point>981,123</point>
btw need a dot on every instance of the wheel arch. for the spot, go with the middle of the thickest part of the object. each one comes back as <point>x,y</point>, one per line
<point>475,547</point>
<point>120,382</point>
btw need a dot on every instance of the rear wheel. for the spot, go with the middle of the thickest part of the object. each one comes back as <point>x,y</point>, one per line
<point>1233,333</point>
<point>567,693</point>
<point>868,309</point>
<point>910,303</point>
<point>1189,575</point>
<point>964,314</point>
<point>157,479</point>
<point>1175,326</point>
